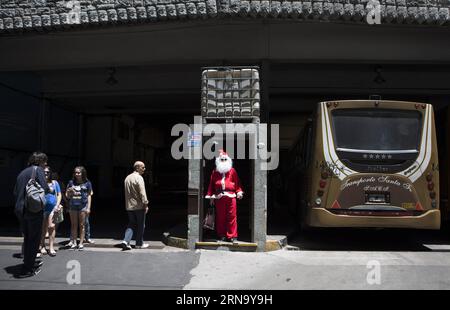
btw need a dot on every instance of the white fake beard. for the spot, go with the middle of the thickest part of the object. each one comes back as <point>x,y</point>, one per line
<point>223,166</point>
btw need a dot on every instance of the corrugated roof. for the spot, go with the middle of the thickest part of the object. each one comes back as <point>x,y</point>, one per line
<point>24,15</point>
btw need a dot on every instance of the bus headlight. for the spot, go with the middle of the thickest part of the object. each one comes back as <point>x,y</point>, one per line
<point>318,201</point>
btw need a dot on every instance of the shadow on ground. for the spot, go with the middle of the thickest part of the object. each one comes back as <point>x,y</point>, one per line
<point>354,239</point>
<point>15,270</point>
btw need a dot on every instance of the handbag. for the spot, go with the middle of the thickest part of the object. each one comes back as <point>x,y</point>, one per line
<point>34,194</point>
<point>58,217</point>
<point>210,219</point>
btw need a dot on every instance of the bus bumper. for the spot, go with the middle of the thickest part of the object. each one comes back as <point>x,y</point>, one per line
<point>320,217</point>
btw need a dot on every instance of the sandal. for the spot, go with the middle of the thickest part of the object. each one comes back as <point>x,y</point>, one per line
<point>52,253</point>
<point>44,251</point>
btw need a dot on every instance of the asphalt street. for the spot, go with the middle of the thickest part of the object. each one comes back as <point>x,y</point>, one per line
<point>404,262</point>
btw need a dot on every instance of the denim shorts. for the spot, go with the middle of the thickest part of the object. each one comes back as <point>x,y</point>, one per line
<point>80,208</point>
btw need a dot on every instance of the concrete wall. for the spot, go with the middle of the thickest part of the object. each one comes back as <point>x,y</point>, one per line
<point>19,129</point>
<point>215,41</point>
<point>29,123</point>
<point>98,151</point>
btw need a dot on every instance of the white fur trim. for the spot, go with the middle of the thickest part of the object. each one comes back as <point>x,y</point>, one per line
<point>224,167</point>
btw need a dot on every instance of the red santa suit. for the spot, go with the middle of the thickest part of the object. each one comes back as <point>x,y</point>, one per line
<point>224,188</point>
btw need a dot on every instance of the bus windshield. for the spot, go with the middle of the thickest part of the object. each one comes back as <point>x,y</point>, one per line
<point>377,129</point>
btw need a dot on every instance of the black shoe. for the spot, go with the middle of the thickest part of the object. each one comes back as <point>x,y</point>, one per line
<point>27,273</point>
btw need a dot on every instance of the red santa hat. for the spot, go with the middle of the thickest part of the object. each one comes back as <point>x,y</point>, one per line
<point>223,153</point>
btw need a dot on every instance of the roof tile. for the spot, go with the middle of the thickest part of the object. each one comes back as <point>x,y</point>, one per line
<point>201,10</point>
<point>161,11</point>
<point>36,21</point>
<point>151,13</point>
<point>171,11</point>
<point>28,14</point>
<point>141,13</point>
<point>192,10</point>
<point>181,10</point>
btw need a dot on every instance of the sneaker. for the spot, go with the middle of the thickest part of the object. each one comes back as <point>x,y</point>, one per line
<point>125,246</point>
<point>72,245</point>
<point>232,240</point>
<point>38,264</point>
<point>144,246</point>
<point>38,255</point>
<point>90,241</point>
<point>80,247</point>
<point>37,270</point>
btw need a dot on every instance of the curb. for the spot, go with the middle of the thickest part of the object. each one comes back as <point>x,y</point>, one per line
<point>273,243</point>
<point>227,246</point>
<point>176,242</point>
<point>99,243</point>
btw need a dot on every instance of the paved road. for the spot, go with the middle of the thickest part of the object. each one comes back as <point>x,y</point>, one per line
<point>104,269</point>
<point>172,268</point>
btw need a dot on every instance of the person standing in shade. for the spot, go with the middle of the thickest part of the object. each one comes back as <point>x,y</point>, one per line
<point>79,192</point>
<point>31,221</point>
<point>137,207</point>
<point>52,204</point>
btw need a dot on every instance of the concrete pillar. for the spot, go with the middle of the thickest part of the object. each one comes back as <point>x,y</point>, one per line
<point>259,212</point>
<point>195,188</point>
<point>446,167</point>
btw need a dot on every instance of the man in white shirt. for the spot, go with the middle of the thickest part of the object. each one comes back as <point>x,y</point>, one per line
<point>136,204</point>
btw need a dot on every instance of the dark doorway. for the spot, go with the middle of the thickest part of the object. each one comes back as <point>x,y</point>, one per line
<point>244,169</point>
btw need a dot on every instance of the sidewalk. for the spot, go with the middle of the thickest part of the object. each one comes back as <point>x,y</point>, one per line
<point>99,243</point>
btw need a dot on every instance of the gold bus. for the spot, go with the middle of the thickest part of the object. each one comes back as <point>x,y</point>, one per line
<point>368,163</point>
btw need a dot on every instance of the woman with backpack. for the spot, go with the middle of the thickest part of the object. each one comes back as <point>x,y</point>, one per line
<point>52,204</point>
<point>79,192</point>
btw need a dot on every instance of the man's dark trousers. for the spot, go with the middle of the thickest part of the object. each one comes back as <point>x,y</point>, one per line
<point>32,231</point>
<point>136,224</point>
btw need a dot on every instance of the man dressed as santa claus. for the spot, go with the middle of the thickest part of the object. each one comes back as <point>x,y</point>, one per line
<point>224,188</point>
